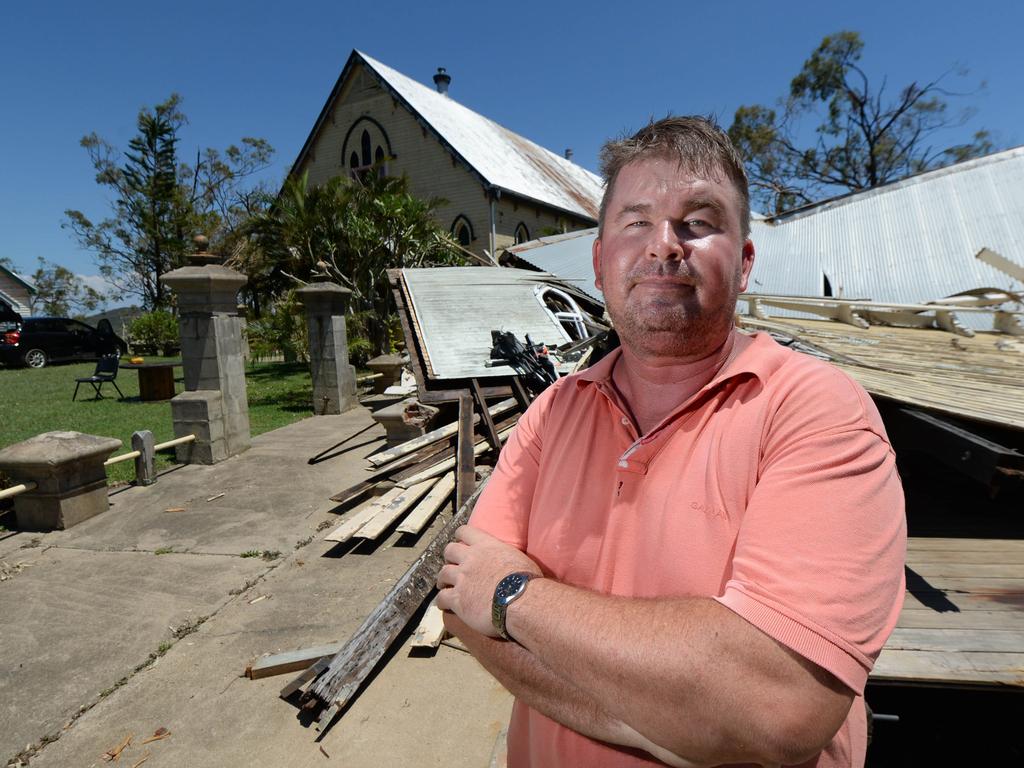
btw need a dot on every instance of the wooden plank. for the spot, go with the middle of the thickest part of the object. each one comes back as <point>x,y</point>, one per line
<point>951,602</point>
<point>356,660</point>
<point>981,586</point>
<point>490,433</point>
<point>448,464</point>
<point>520,394</point>
<point>916,617</point>
<point>388,513</point>
<point>448,430</point>
<point>1008,558</point>
<point>465,474</point>
<point>430,631</point>
<point>417,520</point>
<point>922,544</point>
<point>937,572</point>
<point>362,516</point>
<point>968,668</point>
<point>948,639</point>
<point>290,661</point>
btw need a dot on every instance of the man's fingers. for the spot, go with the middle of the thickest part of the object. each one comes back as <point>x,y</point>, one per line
<point>445,599</point>
<point>470,535</point>
<point>455,552</point>
<point>446,577</point>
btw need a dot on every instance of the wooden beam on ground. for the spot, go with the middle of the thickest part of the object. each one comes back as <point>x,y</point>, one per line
<point>362,516</point>
<point>388,513</point>
<point>490,433</point>
<point>465,476</point>
<point>439,469</point>
<point>430,631</point>
<point>448,430</point>
<point>349,668</point>
<point>417,520</point>
<point>290,661</point>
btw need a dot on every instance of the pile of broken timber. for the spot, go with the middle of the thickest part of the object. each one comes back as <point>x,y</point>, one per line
<point>417,477</point>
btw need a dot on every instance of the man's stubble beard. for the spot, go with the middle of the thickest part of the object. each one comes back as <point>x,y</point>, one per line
<point>679,330</point>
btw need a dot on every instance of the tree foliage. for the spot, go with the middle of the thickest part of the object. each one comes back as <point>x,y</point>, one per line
<point>864,136</point>
<point>350,231</point>
<point>159,202</point>
<point>61,293</point>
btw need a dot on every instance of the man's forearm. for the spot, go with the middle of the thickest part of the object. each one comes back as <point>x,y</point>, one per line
<point>555,697</point>
<point>689,674</point>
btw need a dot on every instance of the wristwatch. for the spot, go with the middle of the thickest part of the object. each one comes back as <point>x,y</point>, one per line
<point>507,592</point>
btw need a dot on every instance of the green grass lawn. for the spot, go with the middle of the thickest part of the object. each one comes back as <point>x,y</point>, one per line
<point>39,400</point>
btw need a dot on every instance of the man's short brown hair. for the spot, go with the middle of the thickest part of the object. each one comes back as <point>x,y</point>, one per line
<point>700,146</point>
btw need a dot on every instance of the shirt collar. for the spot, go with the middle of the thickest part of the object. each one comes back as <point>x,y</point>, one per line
<point>749,355</point>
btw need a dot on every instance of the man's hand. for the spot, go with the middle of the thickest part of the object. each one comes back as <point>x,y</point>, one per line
<point>476,562</point>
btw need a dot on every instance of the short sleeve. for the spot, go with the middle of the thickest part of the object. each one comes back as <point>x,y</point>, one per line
<point>503,509</point>
<point>820,553</point>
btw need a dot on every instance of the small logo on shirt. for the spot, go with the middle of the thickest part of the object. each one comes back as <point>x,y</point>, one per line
<point>710,510</point>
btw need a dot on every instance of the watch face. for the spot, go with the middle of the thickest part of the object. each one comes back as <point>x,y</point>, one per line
<point>510,586</point>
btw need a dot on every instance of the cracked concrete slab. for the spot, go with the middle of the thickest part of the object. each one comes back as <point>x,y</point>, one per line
<point>93,602</point>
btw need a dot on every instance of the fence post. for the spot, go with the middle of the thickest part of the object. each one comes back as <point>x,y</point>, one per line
<point>143,442</point>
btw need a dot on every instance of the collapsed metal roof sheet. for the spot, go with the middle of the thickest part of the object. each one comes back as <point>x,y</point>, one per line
<point>456,308</point>
<point>913,240</point>
<point>568,256</point>
<point>503,158</point>
<point>910,241</point>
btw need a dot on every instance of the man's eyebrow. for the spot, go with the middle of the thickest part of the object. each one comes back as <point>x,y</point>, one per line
<point>697,203</point>
<point>634,208</point>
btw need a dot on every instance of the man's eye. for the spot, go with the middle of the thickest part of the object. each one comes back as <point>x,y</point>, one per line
<point>637,223</point>
<point>698,224</point>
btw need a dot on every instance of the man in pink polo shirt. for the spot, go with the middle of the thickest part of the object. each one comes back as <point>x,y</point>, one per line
<point>692,552</point>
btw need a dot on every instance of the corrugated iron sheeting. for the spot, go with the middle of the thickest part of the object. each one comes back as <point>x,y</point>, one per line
<point>503,158</point>
<point>456,308</point>
<point>910,241</point>
<point>568,256</point>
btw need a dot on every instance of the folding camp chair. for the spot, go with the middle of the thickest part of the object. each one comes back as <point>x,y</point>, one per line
<point>105,373</point>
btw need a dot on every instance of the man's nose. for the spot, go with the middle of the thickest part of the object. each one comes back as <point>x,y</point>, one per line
<point>667,242</point>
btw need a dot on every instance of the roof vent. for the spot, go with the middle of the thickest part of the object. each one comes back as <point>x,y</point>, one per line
<point>442,80</point>
<point>568,154</point>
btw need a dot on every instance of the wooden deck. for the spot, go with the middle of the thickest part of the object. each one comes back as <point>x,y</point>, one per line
<point>963,620</point>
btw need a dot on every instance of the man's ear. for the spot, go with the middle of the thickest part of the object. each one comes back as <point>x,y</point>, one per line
<point>596,254</point>
<point>746,263</point>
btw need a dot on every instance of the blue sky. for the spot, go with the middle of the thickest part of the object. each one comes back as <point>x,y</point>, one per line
<point>564,74</point>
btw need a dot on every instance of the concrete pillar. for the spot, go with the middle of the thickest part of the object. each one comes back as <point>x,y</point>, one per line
<point>334,379</point>
<point>391,368</point>
<point>71,482</point>
<point>214,406</point>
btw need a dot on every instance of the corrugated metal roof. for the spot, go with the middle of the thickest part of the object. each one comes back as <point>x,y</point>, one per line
<point>910,241</point>
<point>913,240</point>
<point>503,158</point>
<point>456,308</point>
<point>568,256</point>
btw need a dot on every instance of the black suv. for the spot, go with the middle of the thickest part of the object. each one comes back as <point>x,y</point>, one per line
<point>36,341</point>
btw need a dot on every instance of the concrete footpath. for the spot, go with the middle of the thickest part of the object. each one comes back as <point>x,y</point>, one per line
<point>143,619</point>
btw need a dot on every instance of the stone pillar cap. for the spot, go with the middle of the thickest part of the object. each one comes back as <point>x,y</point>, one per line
<point>55,448</point>
<point>323,288</point>
<point>211,276</point>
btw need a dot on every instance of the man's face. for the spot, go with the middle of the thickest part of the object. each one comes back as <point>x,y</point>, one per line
<point>671,259</point>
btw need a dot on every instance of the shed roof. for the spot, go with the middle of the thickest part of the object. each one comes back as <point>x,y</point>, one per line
<point>500,158</point>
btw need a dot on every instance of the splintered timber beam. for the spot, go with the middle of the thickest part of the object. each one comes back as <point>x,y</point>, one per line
<point>448,430</point>
<point>336,683</point>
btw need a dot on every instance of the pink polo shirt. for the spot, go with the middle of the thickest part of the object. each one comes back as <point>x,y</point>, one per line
<point>772,489</point>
